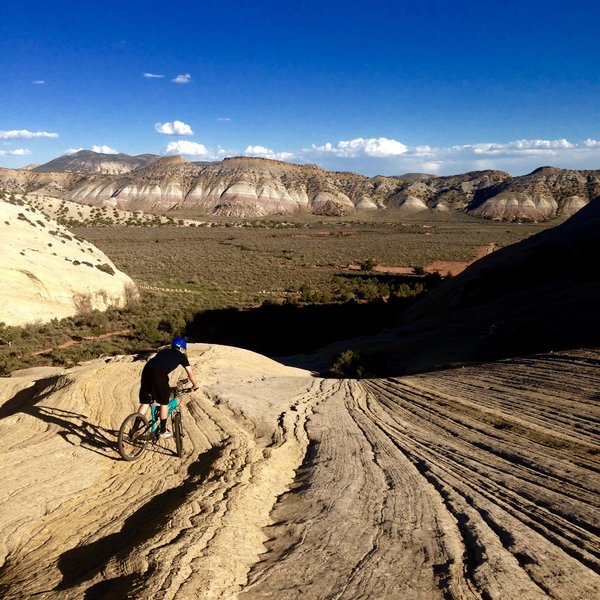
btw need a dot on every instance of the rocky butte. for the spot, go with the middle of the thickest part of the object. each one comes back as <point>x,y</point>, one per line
<point>254,187</point>
<point>47,272</point>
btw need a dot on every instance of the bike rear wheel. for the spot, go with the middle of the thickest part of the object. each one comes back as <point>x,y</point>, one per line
<point>133,436</point>
<point>178,433</point>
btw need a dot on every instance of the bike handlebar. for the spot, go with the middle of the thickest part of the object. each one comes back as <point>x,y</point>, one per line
<point>181,390</point>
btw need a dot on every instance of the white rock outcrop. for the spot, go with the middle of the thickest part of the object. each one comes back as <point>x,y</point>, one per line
<point>47,272</point>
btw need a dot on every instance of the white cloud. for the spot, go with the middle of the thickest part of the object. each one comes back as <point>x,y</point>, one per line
<point>174,128</point>
<point>224,119</point>
<point>25,134</point>
<point>152,76</point>
<point>38,82</point>
<point>388,156</point>
<point>264,152</point>
<point>182,78</point>
<point>525,144</point>
<point>224,153</point>
<point>17,152</point>
<point>524,147</point>
<point>376,147</point>
<point>73,150</point>
<point>257,150</point>
<point>188,148</point>
<point>424,151</point>
<point>431,167</point>
<point>104,149</point>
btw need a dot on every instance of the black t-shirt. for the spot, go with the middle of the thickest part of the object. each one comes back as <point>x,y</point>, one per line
<point>168,360</point>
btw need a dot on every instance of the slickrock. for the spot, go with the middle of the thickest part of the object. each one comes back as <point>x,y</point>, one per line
<point>471,483</point>
<point>48,273</point>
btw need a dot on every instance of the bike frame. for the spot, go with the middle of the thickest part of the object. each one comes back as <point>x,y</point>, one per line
<point>132,438</point>
<point>155,413</point>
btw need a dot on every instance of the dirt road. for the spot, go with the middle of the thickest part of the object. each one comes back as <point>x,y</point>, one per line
<point>472,483</point>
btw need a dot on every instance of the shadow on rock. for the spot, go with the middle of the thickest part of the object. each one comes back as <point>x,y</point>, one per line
<point>83,562</point>
<point>73,425</point>
<point>25,400</point>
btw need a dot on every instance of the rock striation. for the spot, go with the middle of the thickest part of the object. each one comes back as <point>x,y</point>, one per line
<point>254,187</point>
<point>467,483</point>
<point>47,272</point>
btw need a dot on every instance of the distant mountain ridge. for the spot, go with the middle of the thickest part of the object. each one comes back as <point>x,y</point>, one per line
<point>542,195</point>
<point>87,161</point>
<point>252,187</point>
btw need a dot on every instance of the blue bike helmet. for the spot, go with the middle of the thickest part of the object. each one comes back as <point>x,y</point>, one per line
<point>179,343</point>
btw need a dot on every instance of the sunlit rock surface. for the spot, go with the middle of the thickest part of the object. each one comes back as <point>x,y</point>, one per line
<point>47,272</point>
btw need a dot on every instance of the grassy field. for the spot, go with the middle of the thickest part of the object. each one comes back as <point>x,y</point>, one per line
<point>226,263</point>
<point>237,264</point>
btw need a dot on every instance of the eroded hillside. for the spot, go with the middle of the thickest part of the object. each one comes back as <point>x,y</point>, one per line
<point>471,483</point>
<point>87,161</point>
<point>255,187</point>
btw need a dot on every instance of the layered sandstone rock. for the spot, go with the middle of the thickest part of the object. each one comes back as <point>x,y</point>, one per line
<point>466,483</point>
<point>47,272</point>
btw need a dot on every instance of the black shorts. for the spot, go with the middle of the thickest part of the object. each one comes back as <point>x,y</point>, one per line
<point>154,386</point>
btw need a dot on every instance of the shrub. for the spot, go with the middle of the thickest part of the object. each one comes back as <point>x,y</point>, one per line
<point>97,321</point>
<point>368,265</point>
<point>350,364</point>
<point>270,302</point>
<point>172,324</point>
<point>83,303</point>
<point>132,296</point>
<point>147,331</point>
<point>8,334</point>
<point>8,363</point>
<point>106,268</point>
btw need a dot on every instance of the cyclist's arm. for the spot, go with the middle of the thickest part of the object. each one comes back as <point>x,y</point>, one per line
<point>192,377</point>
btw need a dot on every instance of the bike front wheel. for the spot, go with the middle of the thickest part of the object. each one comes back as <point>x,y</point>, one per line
<point>178,433</point>
<point>133,436</point>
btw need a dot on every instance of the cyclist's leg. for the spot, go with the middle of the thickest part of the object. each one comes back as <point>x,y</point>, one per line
<point>143,408</point>
<point>146,390</point>
<point>162,392</point>
<point>145,397</point>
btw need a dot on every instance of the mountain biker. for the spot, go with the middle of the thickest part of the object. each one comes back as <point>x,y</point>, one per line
<point>155,380</point>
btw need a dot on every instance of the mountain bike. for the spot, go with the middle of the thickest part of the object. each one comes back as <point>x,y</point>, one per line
<point>137,430</point>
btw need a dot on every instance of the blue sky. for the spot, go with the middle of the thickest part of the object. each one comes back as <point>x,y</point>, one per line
<point>380,87</point>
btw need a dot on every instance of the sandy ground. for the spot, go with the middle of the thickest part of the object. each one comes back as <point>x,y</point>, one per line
<point>479,482</point>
